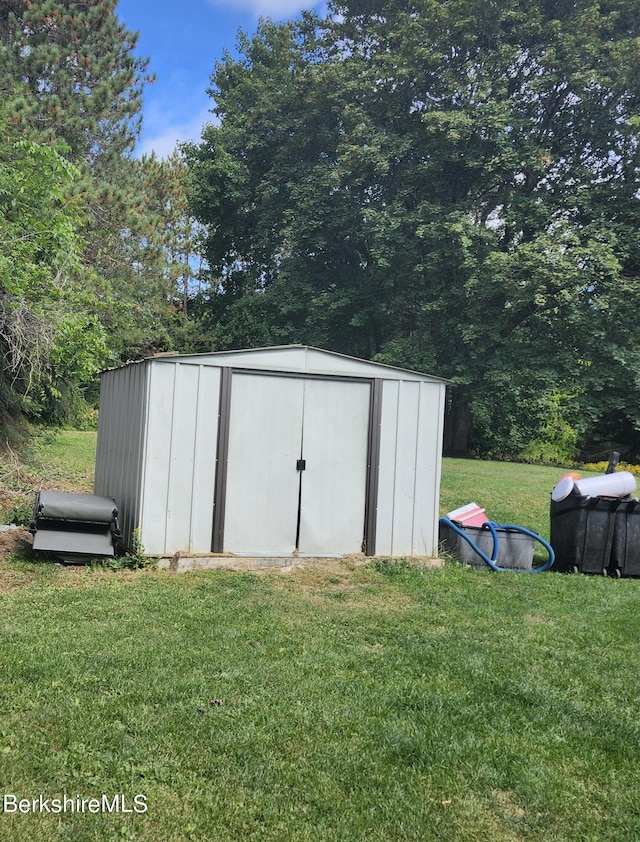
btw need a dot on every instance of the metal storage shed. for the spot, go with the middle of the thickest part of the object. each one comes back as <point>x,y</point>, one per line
<point>278,451</point>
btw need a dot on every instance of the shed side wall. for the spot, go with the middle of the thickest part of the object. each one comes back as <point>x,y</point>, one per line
<point>406,451</point>
<point>426,512</point>
<point>409,476</point>
<point>180,459</point>
<point>120,447</point>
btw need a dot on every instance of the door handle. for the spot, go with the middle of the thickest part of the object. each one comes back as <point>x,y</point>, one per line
<point>301,465</point>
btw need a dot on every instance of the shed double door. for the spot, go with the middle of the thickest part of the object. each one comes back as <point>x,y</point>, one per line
<point>297,465</point>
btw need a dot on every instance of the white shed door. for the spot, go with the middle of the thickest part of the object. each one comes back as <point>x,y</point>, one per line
<point>270,506</point>
<point>335,442</point>
<point>262,482</point>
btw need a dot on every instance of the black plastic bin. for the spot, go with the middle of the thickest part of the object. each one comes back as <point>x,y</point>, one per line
<point>582,532</point>
<point>625,551</point>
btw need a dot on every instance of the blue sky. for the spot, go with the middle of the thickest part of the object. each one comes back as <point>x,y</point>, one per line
<point>184,40</point>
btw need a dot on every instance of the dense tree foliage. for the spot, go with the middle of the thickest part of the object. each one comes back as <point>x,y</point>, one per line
<point>85,276</point>
<point>447,185</point>
<point>76,77</point>
<point>48,333</point>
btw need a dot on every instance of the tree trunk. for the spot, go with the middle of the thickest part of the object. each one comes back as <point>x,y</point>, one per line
<point>457,423</point>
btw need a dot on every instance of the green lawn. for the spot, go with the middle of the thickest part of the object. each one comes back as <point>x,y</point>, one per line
<point>510,492</point>
<point>388,702</point>
<point>62,460</point>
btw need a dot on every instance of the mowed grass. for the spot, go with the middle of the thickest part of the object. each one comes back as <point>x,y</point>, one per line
<point>64,460</point>
<point>509,492</point>
<point>57,460</point>
<point>385,702</point>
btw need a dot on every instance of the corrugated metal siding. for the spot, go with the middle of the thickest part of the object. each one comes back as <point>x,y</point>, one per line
<point>120,448</point>
<point>180,459</point>
<point>426,510</point>
<point>408,486</point>
<point>406,447</point>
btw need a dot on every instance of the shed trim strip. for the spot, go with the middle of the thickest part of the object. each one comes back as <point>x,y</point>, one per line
<point>222,457</point>
<point>373,469</point>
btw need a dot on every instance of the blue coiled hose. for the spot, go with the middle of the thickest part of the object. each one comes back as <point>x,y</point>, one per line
<point>493,527</point>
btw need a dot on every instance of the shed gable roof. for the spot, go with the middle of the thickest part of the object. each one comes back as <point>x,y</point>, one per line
<point>304,359</point>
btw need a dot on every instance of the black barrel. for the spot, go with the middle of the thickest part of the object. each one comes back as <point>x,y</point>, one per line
<point>582,530</point>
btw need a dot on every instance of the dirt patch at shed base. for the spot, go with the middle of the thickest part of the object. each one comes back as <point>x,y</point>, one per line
<point>183,562</point>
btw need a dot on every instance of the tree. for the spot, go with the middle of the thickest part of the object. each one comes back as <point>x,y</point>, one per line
<point>446,185</point>
<point>50,340</point>
<point>171,230</point>
<point>72,83</point>
<point>153,279</point>
<point>78,80</point>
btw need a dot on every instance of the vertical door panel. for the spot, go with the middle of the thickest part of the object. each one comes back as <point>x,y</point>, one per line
<point>265,427</point>
<point>334,446</point>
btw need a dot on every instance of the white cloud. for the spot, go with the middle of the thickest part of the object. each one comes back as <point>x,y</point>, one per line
<point>169,133</point>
